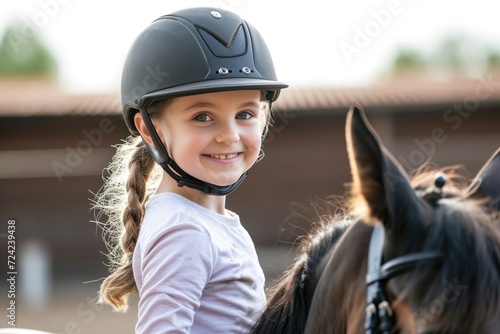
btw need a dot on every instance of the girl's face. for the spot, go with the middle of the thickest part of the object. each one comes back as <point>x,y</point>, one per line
<point>215,137</point>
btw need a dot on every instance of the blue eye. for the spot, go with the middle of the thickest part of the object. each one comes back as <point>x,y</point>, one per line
<point>244,115</point>
<point>202,118</point>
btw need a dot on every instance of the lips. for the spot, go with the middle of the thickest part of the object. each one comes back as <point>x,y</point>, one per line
<point>223,156</point>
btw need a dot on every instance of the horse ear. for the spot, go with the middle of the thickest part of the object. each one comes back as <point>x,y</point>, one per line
<point>377,176</point>
<point>487,181</point>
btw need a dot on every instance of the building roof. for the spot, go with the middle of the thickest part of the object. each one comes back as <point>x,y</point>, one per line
<point>23,98</point>
<point>395,96</point>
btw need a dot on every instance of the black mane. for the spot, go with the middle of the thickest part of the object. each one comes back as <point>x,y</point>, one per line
<point>288,304</point>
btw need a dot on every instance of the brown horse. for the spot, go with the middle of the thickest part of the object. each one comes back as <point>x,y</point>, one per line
<point>419,256</point>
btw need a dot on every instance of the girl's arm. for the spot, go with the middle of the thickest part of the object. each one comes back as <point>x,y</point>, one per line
<point>175,267</point>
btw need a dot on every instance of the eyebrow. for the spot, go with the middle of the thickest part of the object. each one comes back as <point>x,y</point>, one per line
<point>250,104</point>
<point>211,105</point>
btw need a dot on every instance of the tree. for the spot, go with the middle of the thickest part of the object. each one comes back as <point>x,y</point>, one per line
<point>455,55</point>
<point>23,54</point>
<point>493,60</point>
<point>407,59</point>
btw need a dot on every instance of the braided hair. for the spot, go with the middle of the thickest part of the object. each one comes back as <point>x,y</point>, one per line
<point>122,200</point>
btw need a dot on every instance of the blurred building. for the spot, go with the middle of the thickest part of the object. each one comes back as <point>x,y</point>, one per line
<point>54,147</point>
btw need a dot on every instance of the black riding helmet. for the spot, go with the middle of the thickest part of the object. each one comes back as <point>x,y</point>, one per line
<point>193,51</point>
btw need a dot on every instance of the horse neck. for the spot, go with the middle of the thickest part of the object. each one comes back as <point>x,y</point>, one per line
<point>339,300</point>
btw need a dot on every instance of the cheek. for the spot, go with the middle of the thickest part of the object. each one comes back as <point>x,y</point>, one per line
<point>254,140</point>
<point>173,140</point>
<point>185,147</point>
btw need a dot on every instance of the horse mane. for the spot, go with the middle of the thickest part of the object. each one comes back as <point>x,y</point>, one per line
<point>289,300</point>
<point>467,233</point>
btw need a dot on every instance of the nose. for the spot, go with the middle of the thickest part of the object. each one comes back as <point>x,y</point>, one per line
<point>227,133</point>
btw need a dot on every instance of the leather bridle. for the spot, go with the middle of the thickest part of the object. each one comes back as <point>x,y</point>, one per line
<point>379,314</point>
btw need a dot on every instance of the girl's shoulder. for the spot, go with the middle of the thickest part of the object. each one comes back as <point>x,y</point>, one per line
<point>171,217</point>
<point>169,210</point>
<point>171,204</point>
<point>165,209</point>
<point>168,201</point>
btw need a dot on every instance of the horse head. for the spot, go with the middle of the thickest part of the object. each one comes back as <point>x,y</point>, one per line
<point>438,270</point>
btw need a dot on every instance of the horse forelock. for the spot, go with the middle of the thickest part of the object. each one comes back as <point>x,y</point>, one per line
<point>466,286</point>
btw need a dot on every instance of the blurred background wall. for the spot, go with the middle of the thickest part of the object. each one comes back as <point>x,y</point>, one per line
<point>440,105</point>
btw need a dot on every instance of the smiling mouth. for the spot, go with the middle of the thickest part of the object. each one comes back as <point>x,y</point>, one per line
<point>223,156</point>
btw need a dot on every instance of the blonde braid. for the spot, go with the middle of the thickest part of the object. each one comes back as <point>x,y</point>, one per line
<point>122,230</point>
<point>140,167</point>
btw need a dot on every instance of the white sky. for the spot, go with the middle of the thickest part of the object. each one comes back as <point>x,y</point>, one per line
<point>90,38</point>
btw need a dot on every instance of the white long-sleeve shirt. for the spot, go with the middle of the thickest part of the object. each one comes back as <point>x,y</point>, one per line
<point>196,270</point>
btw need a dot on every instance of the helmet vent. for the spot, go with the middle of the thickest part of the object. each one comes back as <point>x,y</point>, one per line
<point>246,70</point>
<point>215,14</point>
<point>236,45</point>
<point>223,71</point>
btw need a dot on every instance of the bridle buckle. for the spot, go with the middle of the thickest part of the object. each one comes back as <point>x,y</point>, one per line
<point>379,317</point>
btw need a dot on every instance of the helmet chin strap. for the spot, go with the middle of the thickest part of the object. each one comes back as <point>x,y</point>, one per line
<point>161,156</point>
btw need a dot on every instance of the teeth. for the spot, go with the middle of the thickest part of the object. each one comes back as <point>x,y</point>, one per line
<point>224,156</point>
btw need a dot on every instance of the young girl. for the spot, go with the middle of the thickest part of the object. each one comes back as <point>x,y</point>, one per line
<point>197,87</point>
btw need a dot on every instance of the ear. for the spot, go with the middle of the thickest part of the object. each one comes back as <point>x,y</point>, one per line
<point>142,128</point>
<point>487,181</point>
<point>377,176</point>
<point>153,142</point>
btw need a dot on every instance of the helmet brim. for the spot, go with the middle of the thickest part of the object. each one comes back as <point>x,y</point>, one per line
<point>216,85</point>
<point>209,86</point>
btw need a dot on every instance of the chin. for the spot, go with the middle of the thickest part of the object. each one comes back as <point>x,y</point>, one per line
<point>219,179</point>
<point>225,181</point>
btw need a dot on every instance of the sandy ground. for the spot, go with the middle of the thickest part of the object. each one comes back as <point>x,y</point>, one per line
<point>71,308</point>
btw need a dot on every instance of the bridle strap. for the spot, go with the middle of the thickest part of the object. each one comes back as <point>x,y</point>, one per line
<point>379,314</point>
<point>375,294</point>
<point>402,263</point>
